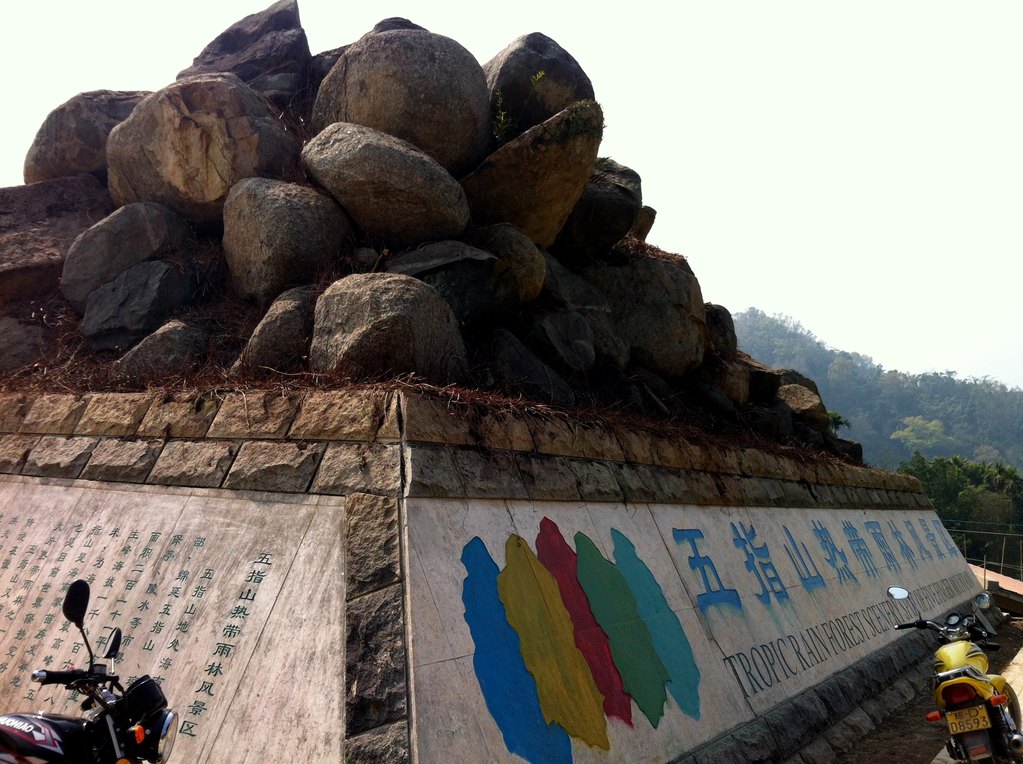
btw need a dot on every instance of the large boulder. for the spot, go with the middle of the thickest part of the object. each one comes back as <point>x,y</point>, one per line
<point>530,81</point>
<point>394,192</point>
<point>374,324</point>
<point>73,137</point>
<point>120,313</point>
<point>534,181</point>
<point>513,368</point>
<point>520,269</point>
<point>604,214</point>
<point>281,339</point>
<point>486,281</point>
<point>170,351</point>
<point>461,274</point>
<point>415,85</point>
<point>806,405</point>
<point>563,338</point>
<point>268,51</point>
<point>657,308</point>
<point>322,63</point>
<point>131,235</point>
<point>721,332</point>
<point>38,222</point>
<point>185,146</point>
<point>571,291</point>
<point>278,235</point>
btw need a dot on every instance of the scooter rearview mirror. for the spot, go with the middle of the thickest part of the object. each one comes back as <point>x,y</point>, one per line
<point>76,602</point>
<point>982,601</point>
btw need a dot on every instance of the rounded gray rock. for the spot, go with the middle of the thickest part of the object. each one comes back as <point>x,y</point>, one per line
<point>393,191</point>
<point>278,235</point>
<point>170,351</point>
<point>376,324</point>
<point>415,85</point>
<point>657,308</point>
<point>73,137</point>
<point>281,339</point>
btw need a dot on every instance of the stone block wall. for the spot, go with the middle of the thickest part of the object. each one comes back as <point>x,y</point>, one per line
<point>388,452</point>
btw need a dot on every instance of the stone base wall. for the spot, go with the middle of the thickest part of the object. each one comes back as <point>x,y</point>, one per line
<point>385,451</point>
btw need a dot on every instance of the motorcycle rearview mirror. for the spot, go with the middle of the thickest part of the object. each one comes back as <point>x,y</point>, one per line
<point>76,602</point>
<point>902,593</point>
<point>76,605</point>
<point>983,605</point>
<point>114,645</point>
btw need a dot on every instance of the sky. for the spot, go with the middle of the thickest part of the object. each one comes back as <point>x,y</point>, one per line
<point>856,166</point>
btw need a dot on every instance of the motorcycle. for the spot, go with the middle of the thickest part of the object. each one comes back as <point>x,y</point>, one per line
<point>981,710</point>
<point>121,725</point>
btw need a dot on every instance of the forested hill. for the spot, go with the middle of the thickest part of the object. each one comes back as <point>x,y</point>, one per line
<point>891,413</point>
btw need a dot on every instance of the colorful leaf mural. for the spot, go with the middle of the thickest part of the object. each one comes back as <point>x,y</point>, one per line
<point>563,642</point>
<point>508,688</point>
<point>560,559</point>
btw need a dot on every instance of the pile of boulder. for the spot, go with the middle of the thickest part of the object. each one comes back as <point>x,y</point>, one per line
<point>390,207</point>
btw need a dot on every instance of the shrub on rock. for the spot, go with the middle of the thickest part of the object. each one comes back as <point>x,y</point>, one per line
<point>185,146</point>
<point>415,85</point>
<point>375,324</point>
<point>278,235</point>
<point>393,191</point>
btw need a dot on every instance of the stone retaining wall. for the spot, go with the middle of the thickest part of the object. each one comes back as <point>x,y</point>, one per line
<point>391,453</point>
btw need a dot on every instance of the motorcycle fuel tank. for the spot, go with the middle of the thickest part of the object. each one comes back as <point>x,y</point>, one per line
<point>48,738</point>
<point>959,654</point>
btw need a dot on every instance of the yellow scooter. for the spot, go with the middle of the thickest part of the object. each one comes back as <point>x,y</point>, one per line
<point>980,709</point>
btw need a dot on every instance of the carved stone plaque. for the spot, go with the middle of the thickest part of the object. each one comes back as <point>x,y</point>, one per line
<point>233,602</point>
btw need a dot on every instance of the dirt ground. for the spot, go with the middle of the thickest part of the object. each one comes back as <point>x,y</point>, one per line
<point>905,736</point>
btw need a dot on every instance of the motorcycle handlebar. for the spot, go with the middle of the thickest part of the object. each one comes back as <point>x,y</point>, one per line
<point>912,625</point>
<point>58,677</point>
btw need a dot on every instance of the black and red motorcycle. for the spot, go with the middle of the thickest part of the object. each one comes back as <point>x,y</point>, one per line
<point>120,726</point>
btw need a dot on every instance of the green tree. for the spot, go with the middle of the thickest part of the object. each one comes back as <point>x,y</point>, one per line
<point>923,435</point>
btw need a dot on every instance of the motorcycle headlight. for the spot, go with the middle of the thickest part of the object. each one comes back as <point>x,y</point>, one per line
<point>168,734</point>
<point>155,735</point>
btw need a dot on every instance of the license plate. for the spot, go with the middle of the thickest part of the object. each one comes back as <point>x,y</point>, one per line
<point>968,720</point>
